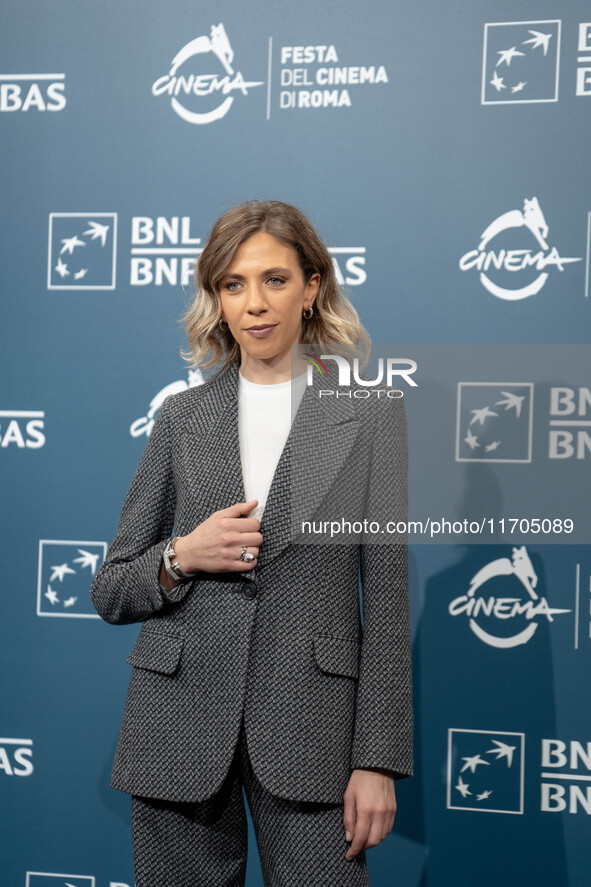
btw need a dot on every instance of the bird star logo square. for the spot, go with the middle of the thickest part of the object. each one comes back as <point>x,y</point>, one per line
<point>66,570</point>
<point>520,62</point>
<point>47,879</point>
<point>485,771</point>
<point>82,251</point>
<point>494,422</point>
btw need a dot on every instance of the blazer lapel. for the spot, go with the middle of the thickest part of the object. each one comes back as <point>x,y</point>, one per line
<point>213,445</point>
<point>320,440</point>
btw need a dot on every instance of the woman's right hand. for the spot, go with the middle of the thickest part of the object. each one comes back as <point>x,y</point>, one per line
<point>215,545</point>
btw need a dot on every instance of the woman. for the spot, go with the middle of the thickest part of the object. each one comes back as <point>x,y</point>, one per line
<point>252,669</point>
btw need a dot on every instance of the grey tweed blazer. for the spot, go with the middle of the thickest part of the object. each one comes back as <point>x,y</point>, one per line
<point>321,691</point>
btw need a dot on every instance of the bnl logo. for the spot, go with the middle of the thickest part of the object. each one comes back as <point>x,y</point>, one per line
<point>82,251</point>
<point>494,422</point>
<point>520,62</point>
<point>65,572</point>
<point>485,771</point>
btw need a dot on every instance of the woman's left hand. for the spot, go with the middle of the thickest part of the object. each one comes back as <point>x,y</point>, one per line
<point>370,807</point>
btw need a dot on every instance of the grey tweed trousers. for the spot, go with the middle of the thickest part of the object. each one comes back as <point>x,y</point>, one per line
<point>301,844</point>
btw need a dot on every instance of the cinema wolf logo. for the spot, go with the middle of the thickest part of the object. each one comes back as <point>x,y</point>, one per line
<point>511,618</point>
<point>511,269</point>
<point>144,425</point>
<point>221,84</point>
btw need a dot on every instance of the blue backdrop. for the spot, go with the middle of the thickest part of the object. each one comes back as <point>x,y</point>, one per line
<point>442,151</point>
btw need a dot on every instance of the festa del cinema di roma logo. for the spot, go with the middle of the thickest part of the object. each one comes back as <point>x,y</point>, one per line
<point>504,610</point>
<point>503,263</point>
<point>180,87</point>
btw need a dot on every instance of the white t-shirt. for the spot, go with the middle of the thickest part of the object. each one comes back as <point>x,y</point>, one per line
<point>264,422</point>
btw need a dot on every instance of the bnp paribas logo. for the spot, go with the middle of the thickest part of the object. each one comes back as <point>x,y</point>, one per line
<point>494,421</point>
<point>520,62</point>
<point>82,251</point>
<point>485,771</point>
<point>65,571</point>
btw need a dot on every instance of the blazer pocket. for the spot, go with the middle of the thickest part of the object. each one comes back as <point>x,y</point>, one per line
<point>156,651</point>
<point>337,655</point>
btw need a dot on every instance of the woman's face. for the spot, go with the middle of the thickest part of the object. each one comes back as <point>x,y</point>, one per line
<point>263,294</point>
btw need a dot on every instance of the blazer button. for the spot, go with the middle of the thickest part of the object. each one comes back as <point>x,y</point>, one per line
<point>249,591</point>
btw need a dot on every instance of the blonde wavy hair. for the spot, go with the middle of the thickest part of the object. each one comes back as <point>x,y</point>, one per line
<point>335,320</point>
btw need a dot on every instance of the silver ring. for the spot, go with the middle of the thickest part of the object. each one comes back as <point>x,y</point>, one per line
<point>246,556</point>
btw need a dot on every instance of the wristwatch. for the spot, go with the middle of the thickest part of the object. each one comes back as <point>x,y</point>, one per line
<point>171,565</point>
